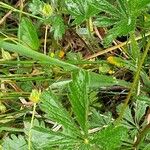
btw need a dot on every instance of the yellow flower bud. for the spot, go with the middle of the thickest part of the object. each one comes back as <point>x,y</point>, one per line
<point>35,96</point>
<point>111,71</point>
<point>61,54</point>
<point>52,54</point>
<point>115,61</point>
<point>47,10</point>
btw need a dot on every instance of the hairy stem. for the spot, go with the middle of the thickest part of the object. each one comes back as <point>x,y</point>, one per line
<point>31,125</point>
<point>135,81</point>
<point>90,27</point>
<point>45,39</point>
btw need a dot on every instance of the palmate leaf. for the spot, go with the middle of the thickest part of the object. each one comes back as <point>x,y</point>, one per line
<point>128,120</point>
<point>78,97</point>
<point>110,138</point>
<point>122,27</point>
<point>54,111</point>
<point>14,143</point>
<point>123,17</point>
<point>28,34</point>
<point>81,10</point>
<point>134,122</point>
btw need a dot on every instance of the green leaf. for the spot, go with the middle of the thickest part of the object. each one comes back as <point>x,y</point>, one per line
<point>147,147</point>
<point>81,10</point>
<point>100,120</point>
<point>14,143</point>
<point>128,120</point>
<point>45,139</point>
<point>78,97</point>
<point>144,98</point>
<point>105,6</point>
<point>120,28</point>
<point>57,26</point>
<point>102,81</point>
<point>134,49</point>
<point>54,111</point>
<point>105,21</point>
<point>50,138</point>
<point>142,4</point>
<point>110,138</point>
<point>28,34</point>
<point>140,111</point>
<point>124,12</point>
<point>134,122</point>
<point>35,7</point>
<point>10,129</point>
<point>122,5</point>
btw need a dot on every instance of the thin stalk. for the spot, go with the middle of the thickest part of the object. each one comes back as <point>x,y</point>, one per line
<point>20,15</point>
<point>31,125</point>
<point>45,38</point>
<point>135,81</point>
<point>21,9</point>
<point>90,27</point>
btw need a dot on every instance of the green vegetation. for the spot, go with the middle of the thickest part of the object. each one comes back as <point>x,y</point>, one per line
<point>75,75</point>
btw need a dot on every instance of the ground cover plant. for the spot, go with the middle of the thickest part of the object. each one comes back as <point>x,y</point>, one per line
<point>74,75</point>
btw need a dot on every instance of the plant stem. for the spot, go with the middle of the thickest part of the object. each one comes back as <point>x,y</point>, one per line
<point>45,38</point>
<point>141,135</point>
<point>21,9</point>
<point>31,125</point>
<point>135,81</point>
<point>90,27</point>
